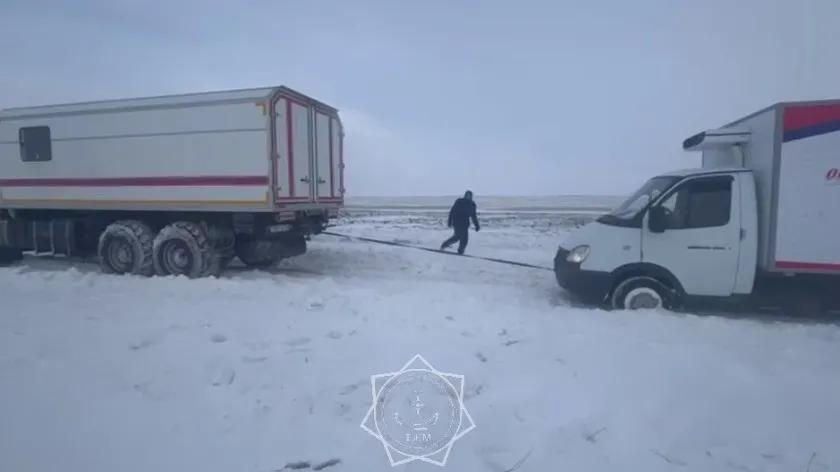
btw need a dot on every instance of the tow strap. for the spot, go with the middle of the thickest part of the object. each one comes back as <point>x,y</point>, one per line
<point>437,251</point>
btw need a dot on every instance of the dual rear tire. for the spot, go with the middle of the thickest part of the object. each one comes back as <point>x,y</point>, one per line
<point>125,247</point>
<point>183,248</point>
<point>180,248</point>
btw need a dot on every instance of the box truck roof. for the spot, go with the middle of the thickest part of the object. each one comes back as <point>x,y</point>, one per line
<point>164,101</point>
<point>699,171</point>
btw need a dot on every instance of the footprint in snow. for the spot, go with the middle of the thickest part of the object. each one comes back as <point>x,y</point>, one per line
<point>141,345</point>
<point>262,409</point>
<point>220,376</point>
<point>301,465</point>
<point>144,390</point>
<point>324,465</point>
<point>299,350</point>
<point>253,360</point>
<point>218,338</point>
<point>334,334</point>
<point>297,341</point>
<point>473,391</point>
<point>297,465</point>
<point>257,346</point>
<point>348,389</point>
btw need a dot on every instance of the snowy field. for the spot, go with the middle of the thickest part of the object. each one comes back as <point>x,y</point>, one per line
<point>266,371</point>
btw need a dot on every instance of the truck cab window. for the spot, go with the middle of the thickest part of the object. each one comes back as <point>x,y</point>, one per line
<point>35,144</point>
<point>630,212</point>
<point>700,203</point>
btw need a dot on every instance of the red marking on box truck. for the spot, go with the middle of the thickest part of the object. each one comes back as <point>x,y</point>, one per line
<point>797,117</point>
<point>805,121</point>
<point>168,181</point>
<point>793,265</point>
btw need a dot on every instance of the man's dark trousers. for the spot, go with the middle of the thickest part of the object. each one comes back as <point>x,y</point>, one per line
<point>462,236</point>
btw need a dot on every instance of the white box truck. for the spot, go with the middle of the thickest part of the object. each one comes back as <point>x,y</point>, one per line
<point>171,185</point>
<point>759,223</point>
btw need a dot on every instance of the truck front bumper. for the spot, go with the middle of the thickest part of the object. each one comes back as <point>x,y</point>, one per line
<point>589,286</point>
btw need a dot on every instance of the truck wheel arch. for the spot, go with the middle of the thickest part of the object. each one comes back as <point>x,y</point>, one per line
<point>645,269</point>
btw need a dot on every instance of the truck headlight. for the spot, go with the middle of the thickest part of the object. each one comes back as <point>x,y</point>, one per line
<point>578,254</point>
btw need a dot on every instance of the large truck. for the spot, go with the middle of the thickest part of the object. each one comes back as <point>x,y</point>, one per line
<point>758,224</point>
<point>169,185</point>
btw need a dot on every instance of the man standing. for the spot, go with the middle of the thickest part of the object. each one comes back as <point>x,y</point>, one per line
<point>463,210</point>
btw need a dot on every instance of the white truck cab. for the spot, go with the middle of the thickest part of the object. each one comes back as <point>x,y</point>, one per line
<point>758,217</point>
<point>685,232</point>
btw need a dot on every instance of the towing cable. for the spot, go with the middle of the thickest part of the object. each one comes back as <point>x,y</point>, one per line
<point>437,251</point>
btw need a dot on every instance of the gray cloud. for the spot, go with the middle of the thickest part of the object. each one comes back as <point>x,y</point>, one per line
<point>531,97</point>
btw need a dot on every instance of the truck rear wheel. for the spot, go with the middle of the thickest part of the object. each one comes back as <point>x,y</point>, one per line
<point>182,248</point>
<point>640,293</point>
<point>125,247</point>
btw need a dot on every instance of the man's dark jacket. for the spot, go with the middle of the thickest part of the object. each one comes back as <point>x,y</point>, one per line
<point>463,210</point>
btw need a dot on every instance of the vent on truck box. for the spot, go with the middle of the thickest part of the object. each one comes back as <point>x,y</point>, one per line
<point>716,138</point>
<point>720,147</point>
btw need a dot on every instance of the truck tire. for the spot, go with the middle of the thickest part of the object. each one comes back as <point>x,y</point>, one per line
<point>182,248</point>
<point>641,292</point>
<point>125,247</point>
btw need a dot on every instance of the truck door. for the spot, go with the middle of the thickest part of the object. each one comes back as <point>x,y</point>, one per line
<point>700,244</point>
<point>324,158</point>
<point>295,176</point>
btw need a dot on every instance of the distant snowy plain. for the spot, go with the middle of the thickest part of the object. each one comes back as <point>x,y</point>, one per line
<point>257,370</point>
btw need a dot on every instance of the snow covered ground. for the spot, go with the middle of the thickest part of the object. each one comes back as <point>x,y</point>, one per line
<point>256,370</point>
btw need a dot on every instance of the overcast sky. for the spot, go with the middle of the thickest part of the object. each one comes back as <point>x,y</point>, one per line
<point>504,97</point>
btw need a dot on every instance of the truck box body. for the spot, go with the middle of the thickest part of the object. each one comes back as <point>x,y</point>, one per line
<point>257,150</point>
<point>793,150</point>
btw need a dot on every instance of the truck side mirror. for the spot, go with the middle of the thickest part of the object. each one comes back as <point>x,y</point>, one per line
<point>657,219</point>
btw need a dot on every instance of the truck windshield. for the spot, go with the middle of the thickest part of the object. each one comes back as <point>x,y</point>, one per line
<point>627,211</point>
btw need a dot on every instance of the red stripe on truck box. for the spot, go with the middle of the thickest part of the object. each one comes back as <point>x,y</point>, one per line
<point>793,265</point>
<point>804,116</point>
<point>168,181</point>
<point>805,121</point>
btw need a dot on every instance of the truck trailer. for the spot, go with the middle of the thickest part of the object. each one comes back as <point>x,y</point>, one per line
<point>169,185</point>
<point>757,224</point>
